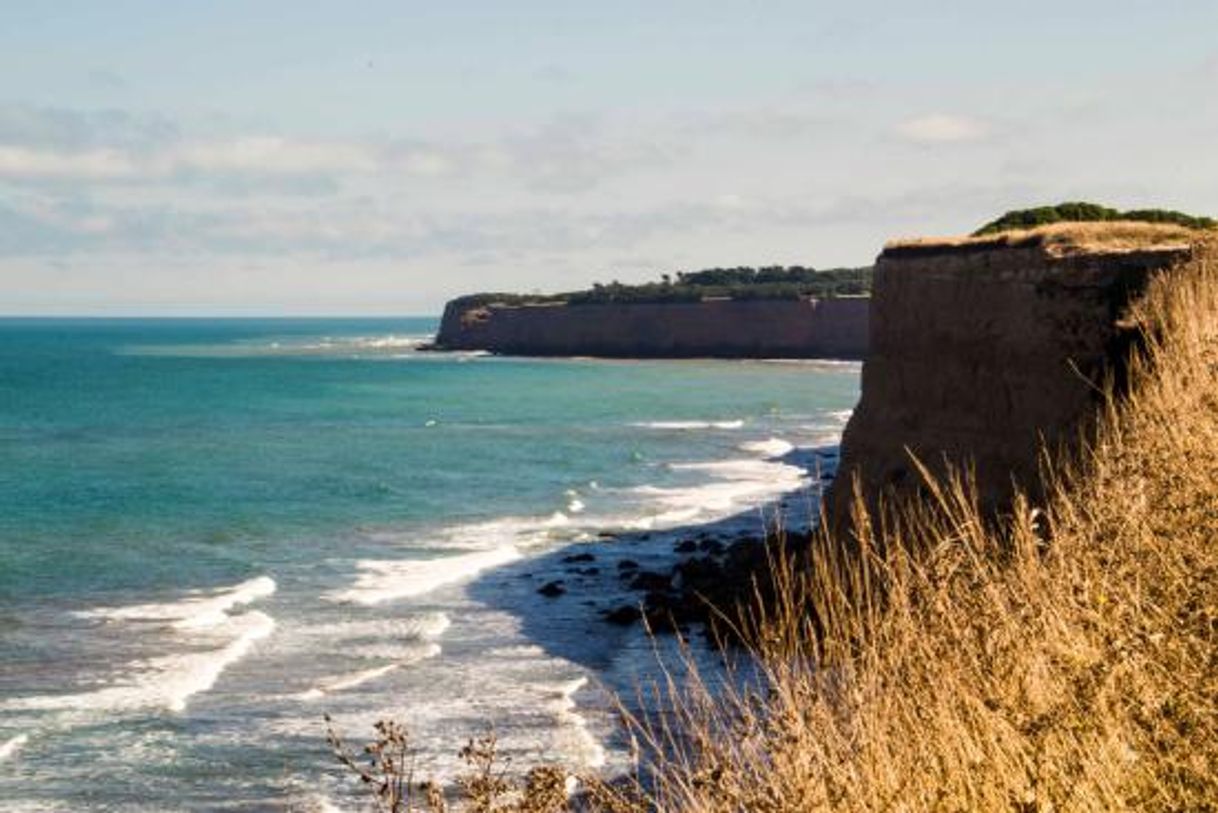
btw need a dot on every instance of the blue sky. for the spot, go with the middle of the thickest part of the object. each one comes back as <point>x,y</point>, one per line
<point>377,157</point>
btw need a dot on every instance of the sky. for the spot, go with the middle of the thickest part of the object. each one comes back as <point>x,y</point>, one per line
<point>346,158</point>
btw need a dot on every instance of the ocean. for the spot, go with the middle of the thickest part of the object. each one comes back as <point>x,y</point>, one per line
<point>214,531</point>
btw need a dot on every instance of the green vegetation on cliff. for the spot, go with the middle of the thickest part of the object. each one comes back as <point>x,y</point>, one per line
<point>1083,212</point>
<point>770,282</point>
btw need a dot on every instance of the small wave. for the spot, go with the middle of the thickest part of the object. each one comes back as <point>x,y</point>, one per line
<point>735,483</point>
<point>354,343</point>
<point>422,627</point>
<point>167,681</point>
<point>825,364</point>
<point>380,581</point>
<point>582,744</point>
<point>478,536</point>
<point>841,415</point>
<point>10,747</point>
<point>342,683</point>
<point>690,425</point>
<point>194,611</point>
<point>320,804</point>
<point>772,447</point>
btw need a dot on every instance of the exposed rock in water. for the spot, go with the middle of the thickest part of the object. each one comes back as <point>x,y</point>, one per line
<point>624,616</point>
<point>648,580</point>
<point>552,589</point>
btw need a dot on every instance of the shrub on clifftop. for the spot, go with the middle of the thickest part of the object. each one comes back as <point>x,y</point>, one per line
<point>1083,212</point>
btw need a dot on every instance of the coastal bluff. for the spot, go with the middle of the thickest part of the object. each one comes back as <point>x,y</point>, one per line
<point>804,327</point>
<point>984,351</point>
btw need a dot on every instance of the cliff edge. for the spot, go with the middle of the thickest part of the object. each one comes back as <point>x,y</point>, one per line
<point>983,347</point>
<point>719,328</point>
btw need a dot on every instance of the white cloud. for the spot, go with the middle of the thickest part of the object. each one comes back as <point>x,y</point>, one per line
<point>566,155</point>
<point>25,163</point>
<point>272,155</point>
<point>942,128</point>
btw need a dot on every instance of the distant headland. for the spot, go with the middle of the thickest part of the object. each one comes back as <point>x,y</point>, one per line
<point>742,312</point>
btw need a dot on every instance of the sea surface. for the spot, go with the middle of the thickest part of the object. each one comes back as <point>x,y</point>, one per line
<point>214,531</point>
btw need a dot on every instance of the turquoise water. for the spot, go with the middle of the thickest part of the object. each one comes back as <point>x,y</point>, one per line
<point>213,531</point>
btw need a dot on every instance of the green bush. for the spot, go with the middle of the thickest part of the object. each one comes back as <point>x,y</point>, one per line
<point>1083,212</point>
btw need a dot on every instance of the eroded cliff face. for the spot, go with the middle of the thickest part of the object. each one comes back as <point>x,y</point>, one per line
<point>829,328</point>
<point>978,352</point>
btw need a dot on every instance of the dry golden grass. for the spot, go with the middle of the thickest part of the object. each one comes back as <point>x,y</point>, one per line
<point>1067,238</point>
<point>1062,659</point>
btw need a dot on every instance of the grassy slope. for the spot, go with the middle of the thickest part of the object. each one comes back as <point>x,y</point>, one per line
<point>1067,661</point>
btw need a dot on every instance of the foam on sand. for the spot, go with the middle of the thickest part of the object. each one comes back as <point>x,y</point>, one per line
<point>341,683</point>
<point>10,747</point>
<point>771,447</point>
<point>490,544</point>
<point>580,743</point>
<point>421,627</point>
<point>735,483</point>
<point>387,580</point>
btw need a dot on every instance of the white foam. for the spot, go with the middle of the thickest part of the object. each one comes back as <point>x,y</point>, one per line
<point>772,447</point>
<point>421,627</point>
<point>689,425</point>
<point>346,343</point>
<point>736,483</point>
<point>580,743</point>
<point>518,531</point>
<point>10,747</point>
<point>193,612</point>
<point>342,683</point>
<point>320,804</point>
<point>387,580</point>
<point>167,681</point>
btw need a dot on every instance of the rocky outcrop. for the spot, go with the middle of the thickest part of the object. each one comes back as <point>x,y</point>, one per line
<point>979,351</point>
<point>756,328</point>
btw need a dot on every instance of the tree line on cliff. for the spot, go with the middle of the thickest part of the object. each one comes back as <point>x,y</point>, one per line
<point>739,283</point>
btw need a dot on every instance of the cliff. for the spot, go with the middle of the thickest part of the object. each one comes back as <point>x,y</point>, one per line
<point>982,348</point>
<point>722,328</point>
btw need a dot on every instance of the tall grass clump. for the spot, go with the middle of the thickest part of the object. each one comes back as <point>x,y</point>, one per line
<point>1060,657</point>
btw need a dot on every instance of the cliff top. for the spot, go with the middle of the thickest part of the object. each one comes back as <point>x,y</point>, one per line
<point>771,282</point>
<point>1064,239</point>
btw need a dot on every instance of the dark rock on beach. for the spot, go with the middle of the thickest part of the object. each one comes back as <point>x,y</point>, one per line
<point>650,581</point>
<point>623,616</point>
<point>552,589</point>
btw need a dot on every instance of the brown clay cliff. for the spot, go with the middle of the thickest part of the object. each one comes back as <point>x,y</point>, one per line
<point>982,348</point>
<point>719,328</point>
